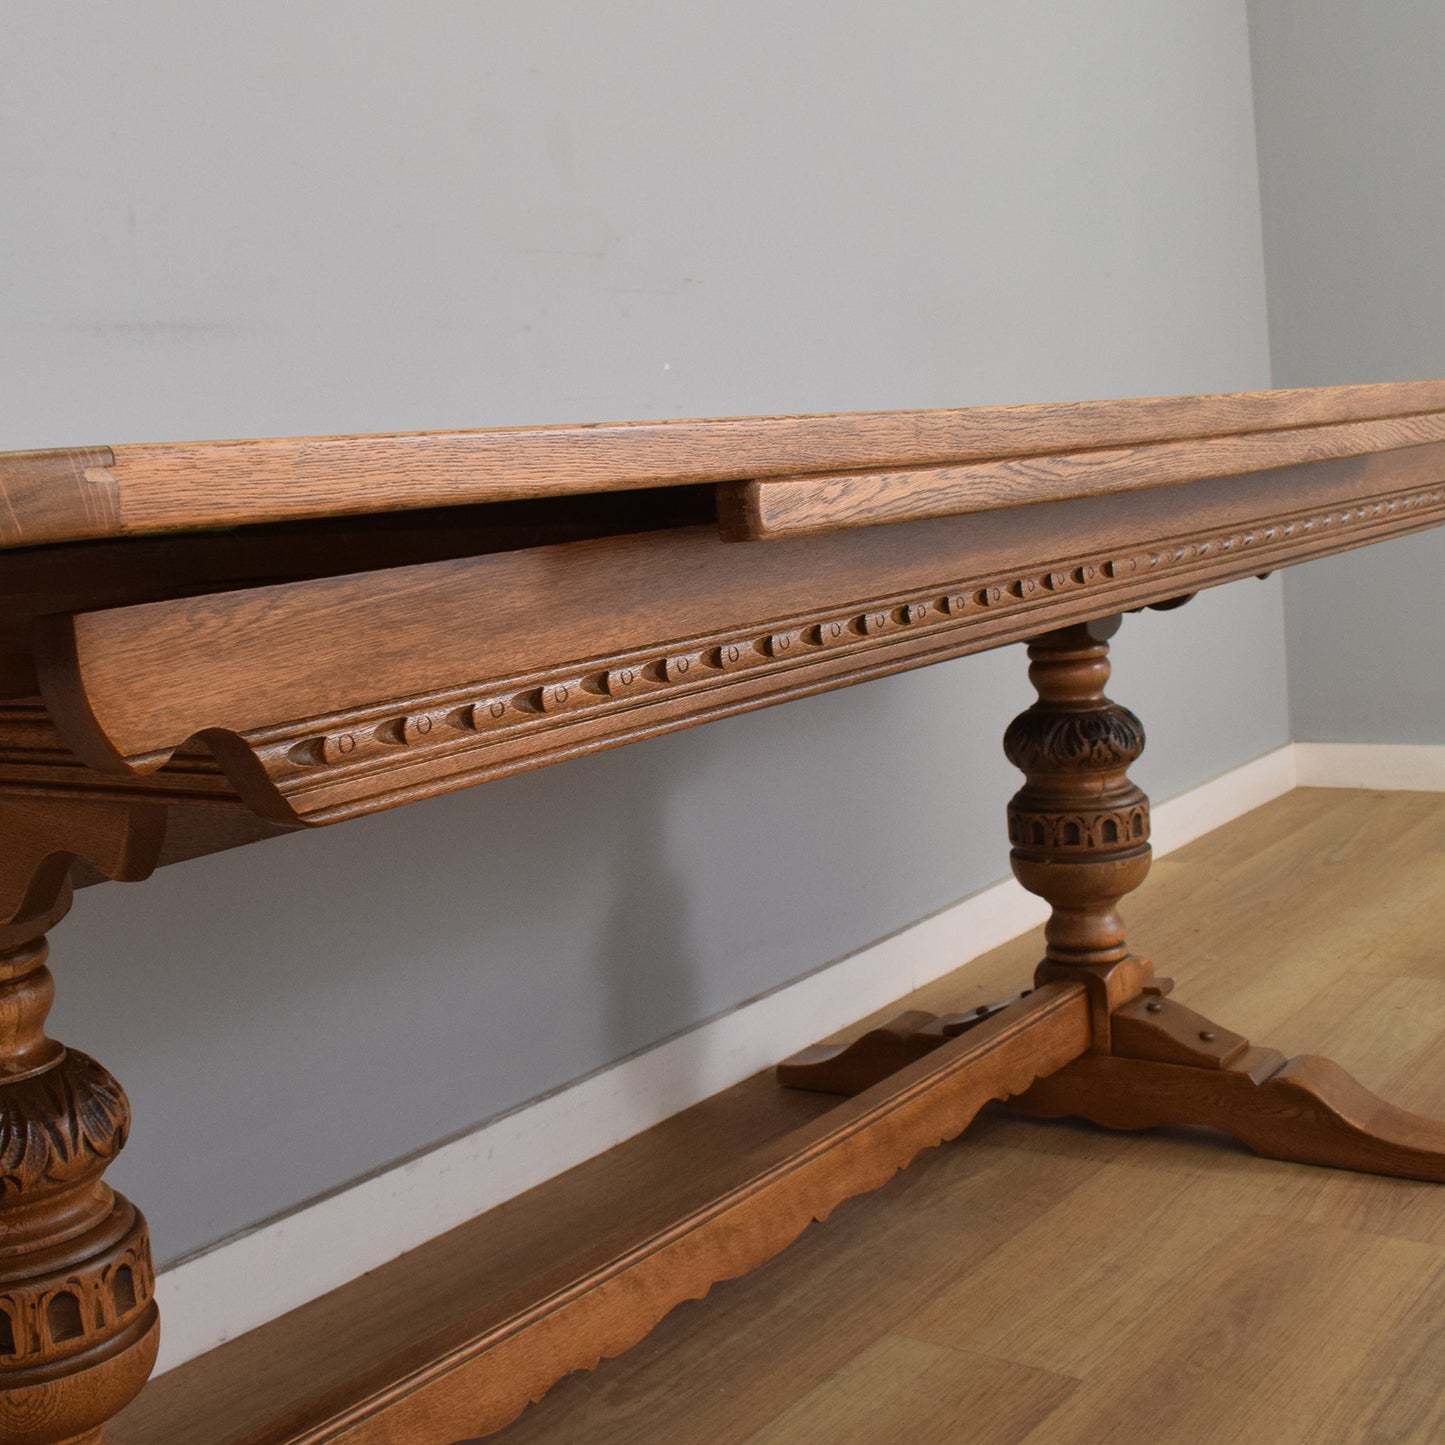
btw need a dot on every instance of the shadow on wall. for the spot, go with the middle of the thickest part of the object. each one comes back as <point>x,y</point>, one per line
<point>644,949</point>
<point>393,981</point>
<point>396,980</point>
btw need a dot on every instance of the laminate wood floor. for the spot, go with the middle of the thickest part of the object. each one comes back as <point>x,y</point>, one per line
<point>1056,1283</point>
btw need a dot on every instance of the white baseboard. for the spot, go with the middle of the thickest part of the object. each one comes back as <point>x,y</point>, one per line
<point>245,1281</point>
<point>1213,804</point>
<point>1386,767</point>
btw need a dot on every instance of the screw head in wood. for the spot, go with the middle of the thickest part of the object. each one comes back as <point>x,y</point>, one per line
<point>1207,1035</point>
<point>1153,1006</point>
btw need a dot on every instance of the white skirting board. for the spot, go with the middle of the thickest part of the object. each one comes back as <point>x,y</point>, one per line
<point>245,1281</point>
<point>1383,767</point>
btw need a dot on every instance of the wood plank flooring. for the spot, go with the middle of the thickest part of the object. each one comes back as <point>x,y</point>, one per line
<point>1056,1284</point>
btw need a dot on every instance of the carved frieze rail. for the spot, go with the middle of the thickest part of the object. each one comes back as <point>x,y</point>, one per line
<point>386,748</point>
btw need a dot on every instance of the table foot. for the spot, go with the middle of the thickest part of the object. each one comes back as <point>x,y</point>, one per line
<point>1307,1110</point>
<point>1172,1067</point>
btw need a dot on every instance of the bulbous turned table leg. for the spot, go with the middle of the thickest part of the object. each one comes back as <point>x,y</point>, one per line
<point>78,1324</point>
<point>1079,827</point>
<point>1080,832</point>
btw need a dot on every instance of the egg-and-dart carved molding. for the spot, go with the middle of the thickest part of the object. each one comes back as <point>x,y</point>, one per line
<point>334,767</point>
<point>323,769</point>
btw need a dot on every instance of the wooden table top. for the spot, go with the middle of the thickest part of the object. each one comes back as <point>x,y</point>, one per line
<point>97,492</point>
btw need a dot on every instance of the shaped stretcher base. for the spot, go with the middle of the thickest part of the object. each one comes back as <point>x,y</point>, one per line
<point>1307,1110</point>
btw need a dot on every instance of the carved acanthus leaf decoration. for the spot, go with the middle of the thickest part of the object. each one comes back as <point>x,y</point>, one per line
<point>1106,737</point>
<point>59,1125</point>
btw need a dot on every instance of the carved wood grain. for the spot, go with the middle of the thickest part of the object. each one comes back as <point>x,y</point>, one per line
<point>179,486</point>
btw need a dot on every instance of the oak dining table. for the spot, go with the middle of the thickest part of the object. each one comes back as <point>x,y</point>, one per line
<point>210,644</point>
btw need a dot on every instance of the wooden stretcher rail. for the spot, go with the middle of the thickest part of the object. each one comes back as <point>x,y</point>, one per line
<point>86,493</point>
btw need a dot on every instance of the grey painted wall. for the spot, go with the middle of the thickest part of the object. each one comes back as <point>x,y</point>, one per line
<point>1351,120</point>
<point>302,218</point>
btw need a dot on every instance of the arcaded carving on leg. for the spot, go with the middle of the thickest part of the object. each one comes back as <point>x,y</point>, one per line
<point>78,1325</point>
